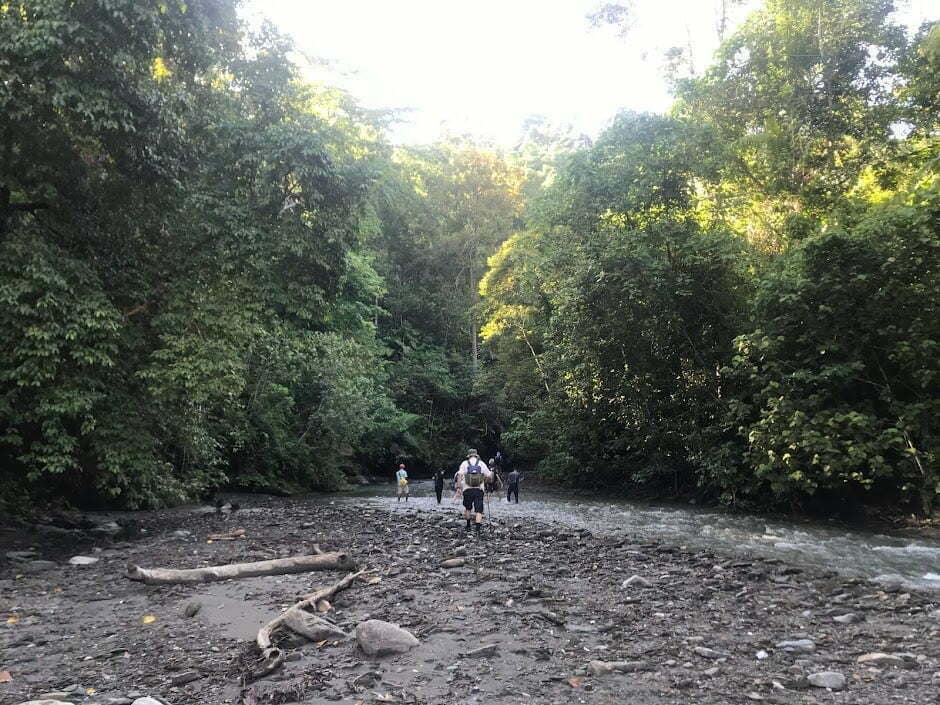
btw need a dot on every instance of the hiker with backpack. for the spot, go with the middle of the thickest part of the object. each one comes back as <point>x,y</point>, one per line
<point>472,476</point>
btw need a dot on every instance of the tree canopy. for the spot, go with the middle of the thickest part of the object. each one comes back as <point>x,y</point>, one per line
<point>216,273</point>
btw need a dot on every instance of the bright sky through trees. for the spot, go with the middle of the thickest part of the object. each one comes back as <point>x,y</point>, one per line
<point>482,67</point>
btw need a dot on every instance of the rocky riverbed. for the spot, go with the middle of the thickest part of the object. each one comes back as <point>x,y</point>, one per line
<point>529,612</point>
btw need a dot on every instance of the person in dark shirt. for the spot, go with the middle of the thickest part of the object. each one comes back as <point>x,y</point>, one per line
<point>513,485</point>
<point>439,484</point>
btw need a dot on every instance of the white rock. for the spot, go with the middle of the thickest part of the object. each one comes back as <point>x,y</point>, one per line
<point>45,702</point>
<point>635,581</point>
<point>879,659</point>
<point>82,560</point>
<point>761,655</point>
<point>600,668</point>
<point>846,618</point>
<point>378,638</point>
<point>146,701</point>
<point>827,679</point>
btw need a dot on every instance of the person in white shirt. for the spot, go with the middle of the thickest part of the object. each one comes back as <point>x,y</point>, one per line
<point>472,475</point>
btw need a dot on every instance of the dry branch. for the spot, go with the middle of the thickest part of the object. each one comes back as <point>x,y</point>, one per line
<point>273,657</point>
<point>277,566</point>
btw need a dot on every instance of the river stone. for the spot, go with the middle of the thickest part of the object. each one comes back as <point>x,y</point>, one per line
<point>109,527</point>
<point>312,627</point>
<point>82,560</point>
<point>147,700</point>
<point>378,638</point>
<point>40,565</point>
<point>600,668</point>
<point>635,581</point>
<point>705,652</point>
<point>20,556</point>
<point>46,702</point>
<point>799,646</point>
<point>827,679</point>
<point>483,651</point>
<point>453,563</point>
<point>880,659</point>
<point>849,618</point>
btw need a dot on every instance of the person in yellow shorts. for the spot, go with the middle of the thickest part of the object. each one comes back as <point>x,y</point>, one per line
<point>402,477</point>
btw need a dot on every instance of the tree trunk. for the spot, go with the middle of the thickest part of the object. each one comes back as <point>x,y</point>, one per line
<point>278,566</point>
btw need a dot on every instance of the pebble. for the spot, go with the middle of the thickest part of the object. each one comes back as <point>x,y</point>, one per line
<point>705,652</point>
<point>599,668</point>
<point>799,646</point>
<point>82,560</point>
<point>185,677</point>
<point>827,679</point>
<point>849,618</point>
<point>483,651</point>
<point>453,563</point>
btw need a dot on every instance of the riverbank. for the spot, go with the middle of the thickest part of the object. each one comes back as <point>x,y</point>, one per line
<point>548,598</point>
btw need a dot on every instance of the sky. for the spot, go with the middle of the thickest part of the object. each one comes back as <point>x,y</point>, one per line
<point>484,66</point>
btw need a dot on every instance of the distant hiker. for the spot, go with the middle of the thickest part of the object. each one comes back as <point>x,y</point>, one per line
<point>402,477</point>
<point>439,484</point>
<point>472,475</point>
<point>458,487</point>
<point>513,486</point>
<point>501,460</point>
<point>495,483</point>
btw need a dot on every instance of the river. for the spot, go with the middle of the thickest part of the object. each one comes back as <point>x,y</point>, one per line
<point>888,559</point>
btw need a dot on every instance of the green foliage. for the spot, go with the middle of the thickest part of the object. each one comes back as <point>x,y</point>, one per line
<point>186,301</point>
<point>838,389</point>
<point>213,274</point>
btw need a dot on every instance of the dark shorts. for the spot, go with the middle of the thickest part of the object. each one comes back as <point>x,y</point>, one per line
<point>473,499</point>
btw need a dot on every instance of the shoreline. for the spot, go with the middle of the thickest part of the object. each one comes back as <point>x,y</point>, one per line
<point>694,622</point>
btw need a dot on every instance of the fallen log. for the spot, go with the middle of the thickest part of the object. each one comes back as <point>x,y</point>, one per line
<point>271,656</point>
<point>277,566</point>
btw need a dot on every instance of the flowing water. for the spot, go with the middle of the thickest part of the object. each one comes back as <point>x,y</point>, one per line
<point>891,559</point>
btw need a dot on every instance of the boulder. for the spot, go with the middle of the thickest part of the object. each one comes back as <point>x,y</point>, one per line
<point>827,679</point>
<point>378,638</point>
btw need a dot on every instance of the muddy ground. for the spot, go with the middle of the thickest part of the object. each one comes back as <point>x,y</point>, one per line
<point>698,627</point>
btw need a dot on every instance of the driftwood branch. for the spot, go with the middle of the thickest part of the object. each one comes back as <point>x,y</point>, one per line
<point>271,656</point>
<point>277,566</point>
